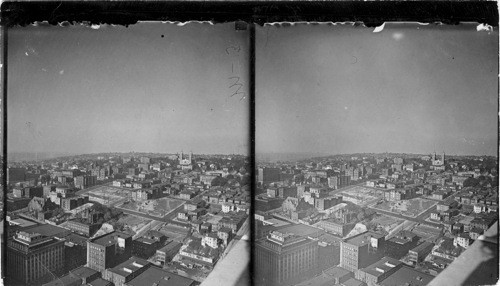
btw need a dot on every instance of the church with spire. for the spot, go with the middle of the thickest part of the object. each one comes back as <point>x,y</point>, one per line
<point>438,164</point>
<point>186,163</point>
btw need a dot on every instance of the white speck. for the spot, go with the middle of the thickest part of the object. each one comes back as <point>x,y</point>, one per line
<point>398,36</point>
<point>379,28</point>
<point>26,53</point>
<point>95,27</point>
<point>345,107</point>
<point>44,70</point>
<point>484,27</point>
<point>61,72</point>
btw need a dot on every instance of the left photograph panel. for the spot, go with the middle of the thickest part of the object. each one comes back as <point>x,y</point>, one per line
<point>127,155</point>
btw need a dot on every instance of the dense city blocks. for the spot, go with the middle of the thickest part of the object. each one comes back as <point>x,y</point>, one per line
<point>398,217</point>
<point>173,217</point>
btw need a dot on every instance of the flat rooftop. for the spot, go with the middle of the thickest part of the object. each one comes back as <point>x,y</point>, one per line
<point>422,246</point>
<point>382,266</point>
<point>110,238</point>
<point>159,277</point>
<point>48,230</point>
<point>170,245</point>
<point>99,282</point>
<point>336,271</point>
<point>321,280</point>
<point>64,280</point>
<point>22,222</point>
<point>276,222</point>
<point>363,238</point>
<point>302,230</point>
<point>130,266</point>
<point>407,276</point>
<point>84,271</point>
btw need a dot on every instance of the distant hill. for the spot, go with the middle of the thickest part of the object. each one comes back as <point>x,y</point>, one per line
<point>34,156</point>
<point>274,157</point>
<point>293,157</point>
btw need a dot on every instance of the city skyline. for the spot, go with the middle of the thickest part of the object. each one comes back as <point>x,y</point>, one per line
<point>150,86</point>
<point>344,89</point>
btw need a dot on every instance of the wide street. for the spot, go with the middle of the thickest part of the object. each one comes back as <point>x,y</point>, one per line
<point>419,219</point>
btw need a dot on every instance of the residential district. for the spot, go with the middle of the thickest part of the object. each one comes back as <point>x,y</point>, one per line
<point>123,219</point>
<point>371,219</point>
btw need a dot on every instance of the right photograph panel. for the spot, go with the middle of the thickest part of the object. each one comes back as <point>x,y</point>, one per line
<point>376,155</point>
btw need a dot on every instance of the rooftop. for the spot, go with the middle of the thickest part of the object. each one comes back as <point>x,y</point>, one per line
<point>64,281</point>
<point>47,230</point>
<point>363,238</point>
<point>302,230</point>
<point>224,229</point>
<point>99,282</point>
<point>321,280</point>
<point>422,246</point>
<point>382,266</point>
<point>195,247</point>
<point>336,271</point>
<point>276,222</point>
<point>83,271</point>
<point>407,276</point>
<point>159,277</point>
<point>478,265</point>
<point>170,245</point>
<point>110,238</point>
<point>130,266</point>
<point>353,282</point>
<point>76,239</point>
<point>22,222</point>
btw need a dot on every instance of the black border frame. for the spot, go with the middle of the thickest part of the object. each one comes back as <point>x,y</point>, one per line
<point>371,14</point>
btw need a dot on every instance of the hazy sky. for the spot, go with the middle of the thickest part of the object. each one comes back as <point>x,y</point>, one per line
<point>344,89</point>
<point>150,87</point>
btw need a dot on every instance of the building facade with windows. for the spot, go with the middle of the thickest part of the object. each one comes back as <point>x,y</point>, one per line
<point>32,257</point>
<point>283,258</point>
<point>108,250</point>
<point>361,250</point>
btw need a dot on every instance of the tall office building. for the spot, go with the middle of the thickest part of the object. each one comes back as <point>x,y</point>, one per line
<point>361,250</point>
<point>32,257</point>
<point>108,250</point>
<point>283,258</point>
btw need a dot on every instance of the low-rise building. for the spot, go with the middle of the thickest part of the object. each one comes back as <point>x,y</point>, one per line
<point>126,271</point>
<point>378,271</point>
<point>68,204</point>
<point>418,254</point>
<point>463,239</point>
<point>146,245</point>
<point>82,227</point>
<point>335,226</point>
<point>159,277</point>
<point>167,252</point>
